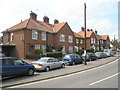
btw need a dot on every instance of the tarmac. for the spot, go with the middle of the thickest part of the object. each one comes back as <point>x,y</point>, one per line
<point>57,72</point>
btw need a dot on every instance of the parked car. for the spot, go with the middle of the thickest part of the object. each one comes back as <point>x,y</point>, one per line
<point>108,53</point>
<point>72,59</point>
<point>11,66</point>
<point>47,63</point>
<point>89,56</point>
<point>2,54</point>
<point>100,55</point>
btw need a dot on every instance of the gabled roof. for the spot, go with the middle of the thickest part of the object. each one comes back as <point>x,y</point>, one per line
<point>77,35</point>
<point>104,37</point>
<point>98,36</point>
<point>58,26</point>
<point>88,33</point>
<point>38,25</point>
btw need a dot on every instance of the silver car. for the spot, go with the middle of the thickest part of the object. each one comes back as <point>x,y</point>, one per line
<point>48,63</point>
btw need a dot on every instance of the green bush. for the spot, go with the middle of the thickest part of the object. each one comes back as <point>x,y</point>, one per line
<point>38,51</point>
<point>90,50</point>
<point>59,48</point>
<point>49,48</point>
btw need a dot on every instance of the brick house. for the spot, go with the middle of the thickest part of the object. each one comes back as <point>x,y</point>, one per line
<point>90,38</point>
<point>105,43</point>
<point>24,38</point>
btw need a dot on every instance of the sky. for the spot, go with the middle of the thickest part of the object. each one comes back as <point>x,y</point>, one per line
<point>102,15</point>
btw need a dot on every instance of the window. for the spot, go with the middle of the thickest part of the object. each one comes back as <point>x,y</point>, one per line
<point>34,35</point>
<point>44,36</point>
<point>63,50</point>
<point>37,47</point>
<point>77,41</point>
<point>18,62</point>
<point>98,42</point>
<point>92,40</point>
<point>7,62</point>
<point>81,41</point>
<point>62,38</point>
<point>29,49</point>
<point>11,37</point>
<point>76,48</point>
<point>44,48</point>
<point>70,49</point>
<point>70,39</point>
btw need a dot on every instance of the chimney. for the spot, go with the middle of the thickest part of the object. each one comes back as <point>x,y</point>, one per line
<point>56,21</point>
<point>91,30</point>
<point>95,31</point>
<point>82,28</point>
<point>46,19</point>
<point>88,30</point>
<point>33,16</point>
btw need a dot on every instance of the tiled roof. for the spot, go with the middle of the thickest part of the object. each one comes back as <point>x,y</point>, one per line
<point>77,35</point>
<point>98,36</point>
<point>38,25</point>
<point>58,26</point>
<point>104,37</point>
<point>88,33</point>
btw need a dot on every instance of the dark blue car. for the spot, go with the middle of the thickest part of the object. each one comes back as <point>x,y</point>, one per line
<point>72,59</point>
<point>11,66</point>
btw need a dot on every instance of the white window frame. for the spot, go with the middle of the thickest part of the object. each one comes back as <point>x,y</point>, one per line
<point>77,41</point>
<point>62,38</point>
<point>43,48</point>
<point>63,50</point>
<point>76,48</point>
<point>37,47</point>
<point>70,39</point>
<point>34,34</point>
<point>92,40</point>
<point>11,37</point>
<point>70,49</point>
<point>81,41</point>
<point>44,36</point>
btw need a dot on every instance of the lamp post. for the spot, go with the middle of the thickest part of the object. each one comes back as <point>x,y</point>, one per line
<point>85,33</point>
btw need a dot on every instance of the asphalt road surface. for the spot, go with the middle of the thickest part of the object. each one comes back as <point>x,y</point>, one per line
<point>105,76</point>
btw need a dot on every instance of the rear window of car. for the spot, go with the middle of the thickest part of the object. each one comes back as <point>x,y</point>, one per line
<point>42,60</point>
<point>67,56</point>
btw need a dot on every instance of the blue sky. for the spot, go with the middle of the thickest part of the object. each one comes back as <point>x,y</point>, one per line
<point>102,15</point>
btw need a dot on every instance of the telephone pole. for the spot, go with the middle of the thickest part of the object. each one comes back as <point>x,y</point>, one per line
<point>85,33</point>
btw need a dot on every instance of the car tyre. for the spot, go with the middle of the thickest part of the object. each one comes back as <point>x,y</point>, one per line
<point>30,72</point>
<point>47,69</point>
<point>63,65</point>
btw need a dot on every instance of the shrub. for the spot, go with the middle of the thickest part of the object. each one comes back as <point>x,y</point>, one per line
<point>90,50</point>
<point>49,49</point>
<point>38,51</point>
<point>59,48</point>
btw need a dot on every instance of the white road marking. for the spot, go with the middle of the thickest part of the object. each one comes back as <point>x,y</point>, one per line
<point>63,76</point>
<point>103,79</point>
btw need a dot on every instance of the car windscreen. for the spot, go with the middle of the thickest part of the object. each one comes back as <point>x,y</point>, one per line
<point>42,59</point>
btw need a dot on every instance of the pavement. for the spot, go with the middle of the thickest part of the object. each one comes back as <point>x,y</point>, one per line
<point>56,73</point>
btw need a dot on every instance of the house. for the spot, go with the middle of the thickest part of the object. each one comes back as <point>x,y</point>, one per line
<point>105,43</point>
<point>23,39</point>
<point>90,38</point>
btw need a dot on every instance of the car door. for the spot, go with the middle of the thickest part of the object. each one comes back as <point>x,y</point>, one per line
<point>51,63</point>
<point>20,66</point>
<point>8,68</point>
<point>57,63</point>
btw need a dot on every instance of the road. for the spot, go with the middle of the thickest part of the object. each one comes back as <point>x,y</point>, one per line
<point>105,76</point>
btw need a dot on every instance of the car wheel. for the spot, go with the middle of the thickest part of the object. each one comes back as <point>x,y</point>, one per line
<point>30,72</point>
<point>47,69</point>
<point>73,63</point>
<point>63,65</point>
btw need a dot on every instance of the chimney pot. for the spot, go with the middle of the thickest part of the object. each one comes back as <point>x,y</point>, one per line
<point>33,16</point>
<point>46,19</point>
<point>82,28</point>
<point>56,21</point>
